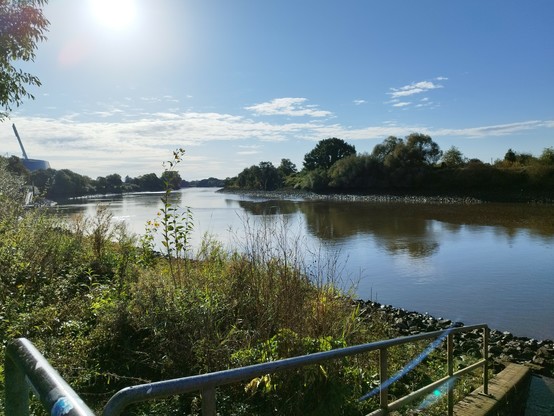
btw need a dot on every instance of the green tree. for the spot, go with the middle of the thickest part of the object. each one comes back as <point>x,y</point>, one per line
<point>11,188</point>
<point>453,158</point>
<point>22,26</point>
<point>16,166</point>
<point>422,150</point>
<point>149,182</point>
<point>384,152</point>
<point>63,184</point>
<point>113,183</point>
<point>270,179</point>
<point>414,151</point>
<point>547,156</point>
<point>510,156</point>
<point>171,179</point>
<point>355,172</point>
<point>326,153</point>
<point>249,178</point>
<point>287,168</point>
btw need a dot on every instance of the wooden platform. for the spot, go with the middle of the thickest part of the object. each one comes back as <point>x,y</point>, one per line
<point>507,394</point>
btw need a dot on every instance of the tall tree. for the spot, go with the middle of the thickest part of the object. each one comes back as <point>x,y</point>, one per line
<point>269,176</point>
<point>383,152</point>
<point>510,156</point>
<point>547,156</point>
<point>327,152</point>
<point>422,150</point>
<point>286,167</point>
<point>171,179</point>
<point>22,26</point>
<point>453,158</point>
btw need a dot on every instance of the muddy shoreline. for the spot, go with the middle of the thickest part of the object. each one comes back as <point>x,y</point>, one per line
<point>296,195</point>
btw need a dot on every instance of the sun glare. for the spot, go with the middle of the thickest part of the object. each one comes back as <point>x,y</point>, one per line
<point>115,14</point>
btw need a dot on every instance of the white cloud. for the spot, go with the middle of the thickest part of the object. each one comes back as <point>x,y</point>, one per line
<point>359,102</point>
<point>401,104</point>
<point>288,107</point>
<point>414,88</point>
<point>99,146</point>
<point>495,130</point>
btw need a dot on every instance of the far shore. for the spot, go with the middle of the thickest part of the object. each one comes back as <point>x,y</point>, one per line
<point>299,195</point>
<point>293,194</point>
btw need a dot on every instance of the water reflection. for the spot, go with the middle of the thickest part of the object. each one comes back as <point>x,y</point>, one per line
<point>477,263</point>
<point>408,228</point>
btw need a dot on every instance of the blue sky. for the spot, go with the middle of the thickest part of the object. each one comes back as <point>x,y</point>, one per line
<point>237,82</point>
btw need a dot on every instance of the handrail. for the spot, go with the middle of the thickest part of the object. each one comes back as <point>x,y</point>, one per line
<point>206,383</point>
<point>25,367</point>
<point>21,367</point>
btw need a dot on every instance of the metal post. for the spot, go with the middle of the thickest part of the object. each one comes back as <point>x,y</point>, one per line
<point>450,363</point>
<point>208,401</point>
<point>383,377</point>
<point>16,389</point>
<point>486,358</point>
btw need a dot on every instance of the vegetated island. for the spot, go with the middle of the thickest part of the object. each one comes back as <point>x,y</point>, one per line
<point>413,169</point>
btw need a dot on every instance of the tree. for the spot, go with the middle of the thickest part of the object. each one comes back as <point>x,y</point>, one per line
<point>287,168</point>
<point>269,176</point>
<point>249,178</point>
<point>422,150</point>
<point>547,156</point>
<point>326,153</point>
<point>415,150</point>
<point>384,152</point>
<point>149,182</point>
<point>510,156</point>
<point>171,179</point>
<point>113,183</point>
<point>16,166</point>
<point>22,25</point>
<point>453,158</point>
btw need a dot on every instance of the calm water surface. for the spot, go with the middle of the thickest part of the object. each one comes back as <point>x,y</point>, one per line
<point>491,263</point>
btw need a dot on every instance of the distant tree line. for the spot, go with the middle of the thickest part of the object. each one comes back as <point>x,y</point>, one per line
<point>204,183</point>
<point>411,165</point>
<point>64,183</point>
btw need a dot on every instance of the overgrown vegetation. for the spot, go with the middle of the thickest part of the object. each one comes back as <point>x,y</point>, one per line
<point>108,312</point>
<point>414,165</point>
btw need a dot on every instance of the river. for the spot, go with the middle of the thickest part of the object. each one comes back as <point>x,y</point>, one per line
<point>485,263</point>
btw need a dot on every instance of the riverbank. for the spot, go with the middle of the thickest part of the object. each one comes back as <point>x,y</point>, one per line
<point>504,347</point>
<point>293,194</point>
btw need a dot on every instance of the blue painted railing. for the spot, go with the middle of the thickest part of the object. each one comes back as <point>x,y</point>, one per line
<point>26,369</point>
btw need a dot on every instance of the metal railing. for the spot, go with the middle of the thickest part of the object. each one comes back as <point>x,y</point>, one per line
<point>24,364</point>
<point>25,368</point>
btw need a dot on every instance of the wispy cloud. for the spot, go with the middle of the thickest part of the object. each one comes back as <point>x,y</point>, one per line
<point>249,150</point>
<point>359,102</point>
<point>414,88</point>
<point>288,107</point>
<point>495,130</point>
<point>100,146</point>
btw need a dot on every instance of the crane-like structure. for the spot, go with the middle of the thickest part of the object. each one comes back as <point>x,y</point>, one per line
<point>30,164</point>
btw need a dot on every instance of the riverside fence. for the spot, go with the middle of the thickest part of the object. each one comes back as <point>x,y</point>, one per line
<point>27,370</point>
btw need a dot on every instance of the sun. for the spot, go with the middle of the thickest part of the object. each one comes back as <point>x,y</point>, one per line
<point>115,14</point>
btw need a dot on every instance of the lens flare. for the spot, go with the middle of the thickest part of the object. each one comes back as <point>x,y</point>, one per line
<point>409,367</point>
